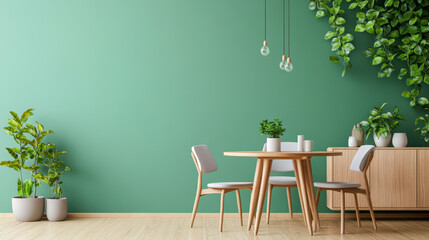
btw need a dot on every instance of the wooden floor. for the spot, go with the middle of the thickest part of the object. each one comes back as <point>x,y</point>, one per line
<point>205,228</point>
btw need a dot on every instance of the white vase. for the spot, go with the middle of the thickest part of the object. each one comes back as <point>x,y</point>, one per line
<point>399,140</point>
<point>300,142</point>
<point>353,142</point>
<point>382,141</point>
<point>273,144</point>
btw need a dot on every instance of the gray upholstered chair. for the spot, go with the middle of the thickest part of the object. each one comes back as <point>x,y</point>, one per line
<point>205,163</point>
<point>360,163</point>
<point>281,165</point>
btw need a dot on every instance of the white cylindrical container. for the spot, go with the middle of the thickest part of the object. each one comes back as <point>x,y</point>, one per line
<point>352,142</point>
<point>308,145</point>
<point>273,144</point>
<point>399,140</point>
<point>300,141</point>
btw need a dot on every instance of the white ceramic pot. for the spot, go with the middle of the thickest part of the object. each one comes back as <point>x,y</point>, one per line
<point>399,140</point>
<point>28,209</point>
<point>273,144</point>
<point>353,142</point>
<point>56,209</point>
<point>382,141</point>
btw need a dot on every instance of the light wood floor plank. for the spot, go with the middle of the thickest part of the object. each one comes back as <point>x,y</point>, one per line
<point>206,228</point>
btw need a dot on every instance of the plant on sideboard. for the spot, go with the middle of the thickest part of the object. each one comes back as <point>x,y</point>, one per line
<point>56,206</point>
<point>382,124</point>
<point>273,129</point>
<point>30,149</point>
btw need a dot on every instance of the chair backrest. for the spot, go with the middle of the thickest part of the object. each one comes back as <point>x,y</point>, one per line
<point>283,165</point>
<point>361,158</point>
<point>204,158</point>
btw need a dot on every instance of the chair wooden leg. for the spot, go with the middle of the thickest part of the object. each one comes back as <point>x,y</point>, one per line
<point>319,190</point>
<point>343,224</point>
<point>194,211</point>
<point>371,211</point>
<point>357,209</point>
<point>270,189</point>
<point>289,201</point>
<point>222,200</point>
<point>239,207</point>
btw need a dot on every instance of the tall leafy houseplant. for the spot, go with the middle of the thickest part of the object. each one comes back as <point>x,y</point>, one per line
<point>56,168</point>
<point>400,30</point>
<point>273,129</point>
<point>30,149</point>
<point>382,123</point>
<point>56,207</point>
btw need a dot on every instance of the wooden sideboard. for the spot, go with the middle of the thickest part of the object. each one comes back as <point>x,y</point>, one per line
<point>398,178</point>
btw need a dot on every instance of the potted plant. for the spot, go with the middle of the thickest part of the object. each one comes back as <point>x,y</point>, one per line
<point>56,206</point>
<point>382,124</point>
<point>27,206</point>
<point>272,129</point>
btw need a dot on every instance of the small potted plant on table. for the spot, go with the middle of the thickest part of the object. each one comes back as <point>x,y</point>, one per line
<point>56,206</point>
<point>26,207</point>
<point>273,129</point>
<point>382,124</point>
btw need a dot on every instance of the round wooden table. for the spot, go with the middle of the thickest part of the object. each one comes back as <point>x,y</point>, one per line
<point>304,179</point>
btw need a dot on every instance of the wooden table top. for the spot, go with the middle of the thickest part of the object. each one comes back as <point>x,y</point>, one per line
<point>281,155</point>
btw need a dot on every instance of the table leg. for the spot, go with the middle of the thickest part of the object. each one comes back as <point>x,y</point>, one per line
<point>295,167</point>
<point>310,192</point>
<point>255,192</point>
<point>304,192</point>
<point>262,191</point>
<point>312,196</point>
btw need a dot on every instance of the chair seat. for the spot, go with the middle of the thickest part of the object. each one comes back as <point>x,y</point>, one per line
<point>282,180</point>
<point>230,184</point>
<point>336,185</point>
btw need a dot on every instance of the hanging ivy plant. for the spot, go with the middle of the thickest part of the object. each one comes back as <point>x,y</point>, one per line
<point>401,41</point>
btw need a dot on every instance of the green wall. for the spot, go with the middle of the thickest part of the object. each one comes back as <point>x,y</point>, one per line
<point>130,86</point>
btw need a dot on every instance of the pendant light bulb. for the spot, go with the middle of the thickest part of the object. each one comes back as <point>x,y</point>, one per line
<point>265,50</point>
<point>288,66</point>
<point>283,63</point>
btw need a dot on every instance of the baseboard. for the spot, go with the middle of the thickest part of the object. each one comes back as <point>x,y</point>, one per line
<point>364,215</point>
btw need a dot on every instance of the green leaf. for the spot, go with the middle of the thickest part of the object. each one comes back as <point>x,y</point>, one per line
<point>334,59</point>
<point>377,60</point>
<point>330,35</point>
<point>360,15</point>
<point>423,101</point>
<point>413,20</point>
<point>26,115</point>
<point>388,3</point>
<point>406,94</point>
<point>394,34</point>
<point>15,117</point>
<point>312,5</point>
<point>336,46</point>
<point>320,13</point>
<point>347,38</point>
<point>353,5</point>
<point>369,26</point>
<point>407,16</point>
<point>349,47</point>
<point>360,28</point>
<point>340,21</point>
<point>362,4</point>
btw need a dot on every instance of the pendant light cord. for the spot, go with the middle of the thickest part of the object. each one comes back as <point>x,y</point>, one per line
<point>288,27</point>
<point>265,21</point>
<point>284,27</point>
